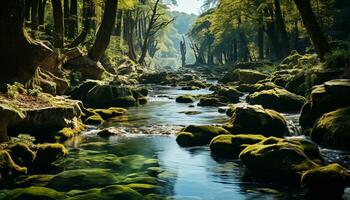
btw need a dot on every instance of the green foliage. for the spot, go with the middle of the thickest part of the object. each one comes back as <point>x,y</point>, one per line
<point>338,58</point>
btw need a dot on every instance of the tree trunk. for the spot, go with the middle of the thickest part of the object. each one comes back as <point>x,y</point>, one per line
<point>281,29</point>
<point>20,54</point>
<point>235,50</point>
<point>129,35</point>
<point>42,5</point>
<point>73,19</point>
<point>118,28</point>
<point>105,31</point>
<point>28,6</point>
<point>34,15</point>
<point>58,21</point>
<point>261,38</point>
<point>88,13</point>
<point>317,36</point>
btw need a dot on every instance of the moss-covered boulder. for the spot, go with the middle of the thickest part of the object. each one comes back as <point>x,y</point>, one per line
<point>83,179</point>
<point>21,154</point>
<point>244,76</point>
<point>230,93</point>
<point>9,114</point>
<point>142,100</point>
<point>115,192</point>
<point>47,154</point>
<point>210,101</point>
<point>144,188</point>
<point>34,193</point>
<point>109,113</point>
<point>326,182</point>
<point>254,119</point>
<point>97,94</point>
<point>232,145</point>
<point>323,99</point>
<point>8,167</point>
<point>94,120</point>
<point>332,129</point>
<point>185,99</point>
<point>281,159</point>
<point>277,99</point>
<point>198,135</point>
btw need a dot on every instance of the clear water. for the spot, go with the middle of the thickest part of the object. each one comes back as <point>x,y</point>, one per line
<point>189,173</point>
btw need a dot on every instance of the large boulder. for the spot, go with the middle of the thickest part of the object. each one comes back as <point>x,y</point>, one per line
<point>277,99</point>
<point>323,99</point>
<point>232,145</point>
<point>47,154</point>
<point>326,182</point>
<point>332,129</point>
<point>185,99</point>
<point>98,94</point>
<point>281,159</point>
<point>254,119</point>
<point>198,135</point>
<point>34,193</point>
<point>231,94</point>
<point>244,76</point>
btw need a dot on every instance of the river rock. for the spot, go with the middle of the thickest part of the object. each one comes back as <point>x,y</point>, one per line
<point>277,99</point>
<point>109,113</point>
<point>254,119</point>
<point>47,154</point>
<point>232,145</point>
<point>323,99</point>
<point>230,93</point>
<point>244,76</point>
<point>210,101</point>
<point>281,159</point>
<point>332,129</point>
<point>185,99</point>
<point>98,94</point>
<point>34,192</point>
<point>8,167</point>
<point>198,135</point>
<point>326,182</point>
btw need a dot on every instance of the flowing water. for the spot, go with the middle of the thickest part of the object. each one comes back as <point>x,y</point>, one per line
<point>182,173</point>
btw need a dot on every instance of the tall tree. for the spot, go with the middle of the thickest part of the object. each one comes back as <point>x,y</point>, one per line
<point>58,23</point>
<point>105,31</point>
<point>314,30</point>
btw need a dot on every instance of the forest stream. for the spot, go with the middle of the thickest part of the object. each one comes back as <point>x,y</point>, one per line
<point>148,146</point>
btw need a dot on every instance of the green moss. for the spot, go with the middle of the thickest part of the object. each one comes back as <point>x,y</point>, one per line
<point>144,188</point>
<point>8,167</point>
<point>198,135</point>
<point>115,192</point>
<point>327,182</point>
<point>332,129</point>
<point>277,158</point>
<point>21,154</point>
<point>94,120</point>
<point>244,76</point>
<point>109,113</point>
<point>230,93</point>
<point>67,133</point>
<point>277,99</point>
<point>48,153</point>
<point>82,179</point>
<point>210,101</point>
<point>232,145</point>
<point>248,119</point>
<point>185,99</point>
<point>34,193</point>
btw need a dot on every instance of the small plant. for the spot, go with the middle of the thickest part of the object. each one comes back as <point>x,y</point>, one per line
<point>16,89</point>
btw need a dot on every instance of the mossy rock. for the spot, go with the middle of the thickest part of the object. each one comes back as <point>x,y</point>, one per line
<point>281,159</point>
<point>332,129</point>
<point>190,88</point>
<point>198,135</point>
<point>230,93</point>
<point>115,192</point>
<point>34,193</point>
<point>94,120</point>
<point>39,180</point>
<point>254,119</point>
<point>142,100</point>
<point>83,179</point>
<point>68,132</point>
<point>210,101</point>
<point>266,86</point>
<point>143,188</point>
<point>47,154</point>
<point>323,99</point>
<point>244,76</point>
<point>326,182</point>
<point>249,88</point>
<point>277,99</point>
<point>185,99</point>
<point>108,132</point>
<point>232,145</point>
<point>8,167</point>
<point>110,112</point>
<point>104,161</point>
<point>197,83</point>
<point>21,154</point>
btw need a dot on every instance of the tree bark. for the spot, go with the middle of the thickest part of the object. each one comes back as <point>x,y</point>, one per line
<point>19,53</point>
<point>314,30</point>
<point>261,38</point>
<point>28,6</point>
<point>35,15</point>
<point>42,5</point>
<point>58,21</point>
<point>88,13</point>
<point>73,18</point>
<point>105,31</point>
